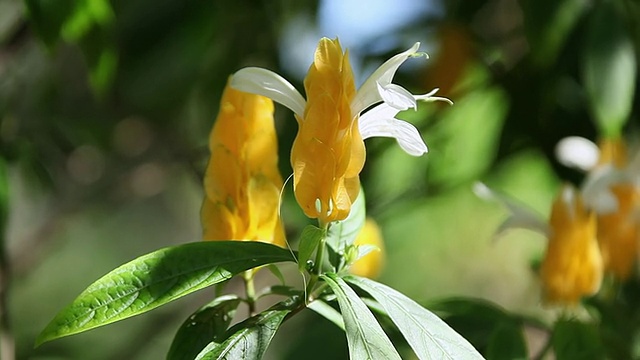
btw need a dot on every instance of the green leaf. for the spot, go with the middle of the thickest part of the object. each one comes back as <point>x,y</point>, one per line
<point>328,312</point>
<point>572,339</point>
<point>548,25</point>
<point>208,323</point>
<point>507,343</point>
<point>343,233</point>
<point>609,69</point>
<point>251,338</point>
<point>365,336</point>
<point>427,334</point>
<point>158,278</point>
<point>309,240</point>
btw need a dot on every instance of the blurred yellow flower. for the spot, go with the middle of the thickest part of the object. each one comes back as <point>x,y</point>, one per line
<point>371,264</point>
<point>611,189</point>
<point>328,152</point>
<point>572,266</point>
<point>619,231</point>
<point>242,182</point>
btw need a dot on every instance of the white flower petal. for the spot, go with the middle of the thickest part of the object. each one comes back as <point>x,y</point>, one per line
<point>520,217</point>
<point>381,121</point>
<point>596,190</point>
<point>267,83</point>
<point>429,97</point>
<point>397,96</point>
<point>368,93</point>
<point>578,153</point>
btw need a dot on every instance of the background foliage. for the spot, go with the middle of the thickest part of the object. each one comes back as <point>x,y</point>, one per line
<point>105,107</point>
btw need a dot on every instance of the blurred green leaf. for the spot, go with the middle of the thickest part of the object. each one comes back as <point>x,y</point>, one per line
<point>309,239</point>
<point>157,278</point>
<point>576,340</point>
<point>343,233</point>
<point>507,343</point>
<point>248,339</point>
<point>609,69</point>
<point>207,324</point>
<point>427,334</point>
<point>466,140</point>
<point>549,24</point>
<point>365,336</point>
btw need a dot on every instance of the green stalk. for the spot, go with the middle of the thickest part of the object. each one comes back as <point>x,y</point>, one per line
<point>250,291</point>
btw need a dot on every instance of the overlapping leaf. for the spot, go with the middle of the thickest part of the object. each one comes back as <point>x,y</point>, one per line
<point>365,336</point>
<point>205,325</point>
<point>428,335</point>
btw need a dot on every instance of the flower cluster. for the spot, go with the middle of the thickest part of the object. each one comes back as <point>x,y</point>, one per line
<point>242,181</point>
<point>592,231</point>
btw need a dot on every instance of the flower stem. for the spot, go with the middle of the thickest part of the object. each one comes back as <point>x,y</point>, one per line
<point>318,265</point>
<point>250,291</point>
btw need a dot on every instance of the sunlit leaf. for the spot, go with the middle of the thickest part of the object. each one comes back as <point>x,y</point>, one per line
<point>365,336</point>
<point>157,278</point>
<point>427,334</point>
<point>311,236</point>
<point>609,69</point>
<point>249,339</point>
<point>208,324</point>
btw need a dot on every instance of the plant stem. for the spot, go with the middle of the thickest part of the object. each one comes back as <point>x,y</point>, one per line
<point>250,291</point>
<point>318,265</point>
<point>7,342</point>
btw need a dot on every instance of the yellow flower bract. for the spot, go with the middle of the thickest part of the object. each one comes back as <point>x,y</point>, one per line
<point>618,232</point>
<point>572,266</point>
<point>328,152</point>
<point>242,182</point>
<point>371,264</point>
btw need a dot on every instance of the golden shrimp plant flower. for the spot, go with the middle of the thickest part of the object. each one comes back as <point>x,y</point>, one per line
<point>328,152</point>
<point>572,266</point>
<point>612,190</point>
<point>242,182</point>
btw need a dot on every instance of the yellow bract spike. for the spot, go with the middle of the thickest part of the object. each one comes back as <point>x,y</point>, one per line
<point>328,152</point>
<point>242,182</point>
<point>572,267</point>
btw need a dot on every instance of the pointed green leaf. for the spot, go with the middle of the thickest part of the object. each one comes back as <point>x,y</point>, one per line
<point>610,69</point>
<point>311,236</point>
<point>343,233</point>
<point>365,336</point>
<point>249,339</point>
<point>208,324</point>
<point>427,334</point>
<point>157,278</point>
